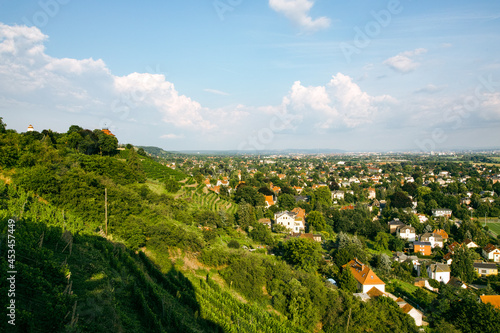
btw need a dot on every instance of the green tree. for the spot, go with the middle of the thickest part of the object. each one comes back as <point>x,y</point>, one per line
<point>316,221</point>
<point>382,241</point>
<point>323,196</point>
<point>303,253</point>
<point>347,281</point>
<point>462,265</point>
<point>171,185</point>
<point>286,202</point>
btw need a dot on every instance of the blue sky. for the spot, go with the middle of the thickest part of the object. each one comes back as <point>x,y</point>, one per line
<point>250,75</point>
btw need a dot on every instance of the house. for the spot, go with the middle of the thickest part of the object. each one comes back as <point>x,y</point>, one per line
<point>338,195</point>
<point>422,218</point>
<point>485,268</point>
<point>411,311</point>
<point>223,182</point>
<point>269,200</point>
<point>406,232</point>
<point>491,252</point>
<point>394,225</point>
<point>372,194</point>
<point>434,239</point>
<point>441,212</point>
<point>442,233</point>
<point>424,248</point>
<point>491,299</point>
<point>447,258</point>
<point>366,278</point>
<point>439,272</point>
<point>470,244</point>
<point>105,131</point>
<point>290,220</point>
<point>298,189</point>
<point>300,212</point>
<point>266,222</point>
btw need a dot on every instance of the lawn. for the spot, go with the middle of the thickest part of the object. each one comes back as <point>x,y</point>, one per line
<point>494,227</point>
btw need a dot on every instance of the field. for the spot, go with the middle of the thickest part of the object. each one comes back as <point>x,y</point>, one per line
<point>210,201</point>
<point>494,227</point>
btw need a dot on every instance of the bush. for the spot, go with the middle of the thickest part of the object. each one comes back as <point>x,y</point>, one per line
<point>233,244</point>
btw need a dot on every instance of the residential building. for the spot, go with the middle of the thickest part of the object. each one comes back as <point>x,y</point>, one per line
<point>394,225</point>
<point>470,244</point>
<point>491,299</point>
<point>422,218</point>
<point>485,268</point>
<point>439,272</point>
<point>366,278</point>
<point>441,212</point>
<point>406,232</point>
<point>434,239</point>
<point>372,194</point>
<point>290,220</point>
<point>442,233</point>
<point>338,195</point>
<point>269,200</point>
<point>424,248</point>
<point>491,252</point>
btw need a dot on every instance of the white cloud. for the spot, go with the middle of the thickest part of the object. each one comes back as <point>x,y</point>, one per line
<point>216,92</point>
<point>405,62</point>
<point>171,136</point>
<point>29,75</point>
<point>431,89</point>
<point>297,11</point>
<point>339,103</point>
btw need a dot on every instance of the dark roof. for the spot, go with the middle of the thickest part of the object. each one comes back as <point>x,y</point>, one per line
<point>485,265</point>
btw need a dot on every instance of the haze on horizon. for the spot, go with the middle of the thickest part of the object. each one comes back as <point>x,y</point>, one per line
<point>247,75</point>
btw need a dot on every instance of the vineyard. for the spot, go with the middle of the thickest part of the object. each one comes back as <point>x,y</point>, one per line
<point>210,201</point>
<point>157,171</point>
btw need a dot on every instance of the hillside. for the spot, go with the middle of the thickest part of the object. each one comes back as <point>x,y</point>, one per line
<point>168,256</point>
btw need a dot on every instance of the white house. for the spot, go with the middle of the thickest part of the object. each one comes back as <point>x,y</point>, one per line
<point>366,278</point>
<point>290,220</point>
<point>441,212</point>
<point>406,232</point>
<point>491,252</point>
<point>338,195</point>
<point>434,239</point>
<point>439,272</point>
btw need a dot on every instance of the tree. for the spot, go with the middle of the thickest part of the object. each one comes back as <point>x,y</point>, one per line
<point>286,202</point>
<point>171,185</point>
<point>347,281</point>
<point>382,241</point>
<point>400,200</point>
<point>250,195</point>
<point>302,253</point>
<point>2,126</point>
<point>245,215</point>
<point>316,221</point>
<point>323,196</point>
<point>462,265</point>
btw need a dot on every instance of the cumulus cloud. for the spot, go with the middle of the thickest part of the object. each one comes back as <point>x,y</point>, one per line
<point>340,102</point>
<point>297,11</point>
<point>405,62</point>
<point>28,74</point>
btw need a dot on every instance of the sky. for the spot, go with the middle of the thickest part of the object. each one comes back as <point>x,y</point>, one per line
<point>359,75</point>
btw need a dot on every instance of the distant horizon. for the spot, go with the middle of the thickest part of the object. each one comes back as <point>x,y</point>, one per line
<point>391,75</point>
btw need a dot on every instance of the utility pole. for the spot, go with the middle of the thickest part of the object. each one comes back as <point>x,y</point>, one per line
<point>106,209</point>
